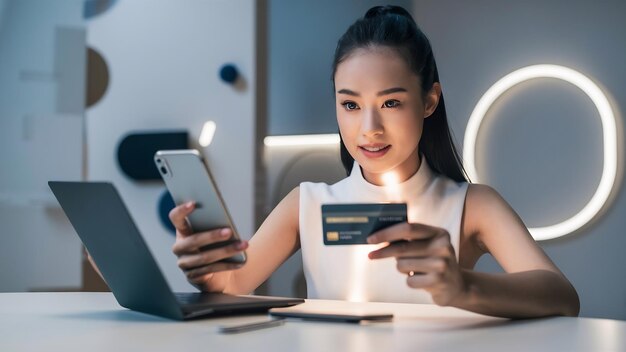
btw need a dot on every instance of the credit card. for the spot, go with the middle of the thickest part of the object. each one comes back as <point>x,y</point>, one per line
<point>352,223</point>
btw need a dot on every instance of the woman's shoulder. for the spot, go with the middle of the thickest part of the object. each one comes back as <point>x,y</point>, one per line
<point>320,189</point>
<point>484,207</point>
<point>313,194</point>
<point>481,196</point>
<point>446,189</point>
<point>480,200</point>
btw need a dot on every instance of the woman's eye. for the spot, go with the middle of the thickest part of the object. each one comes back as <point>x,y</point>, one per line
<point>391,104</point>
<point>350,105</point>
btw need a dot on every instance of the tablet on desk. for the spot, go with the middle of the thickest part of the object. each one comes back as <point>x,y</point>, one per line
<point>350,316</point>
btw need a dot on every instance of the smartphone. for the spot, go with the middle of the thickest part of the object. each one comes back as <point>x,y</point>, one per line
<point>188,178</point>
<point>342,316</point>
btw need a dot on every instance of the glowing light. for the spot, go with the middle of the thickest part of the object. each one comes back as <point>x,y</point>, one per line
<point>609,132</point>
<point>360,263</point>
<point>391,181</point>
<point>208,131</point>
<point>301,140</point>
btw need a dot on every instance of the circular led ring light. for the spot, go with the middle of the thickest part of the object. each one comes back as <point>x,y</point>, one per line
<point>609,132</point>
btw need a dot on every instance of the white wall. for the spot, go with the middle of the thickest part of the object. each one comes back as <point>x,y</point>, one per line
<point>41,130</point>
<point>164,58</point>
<point>303,36</point>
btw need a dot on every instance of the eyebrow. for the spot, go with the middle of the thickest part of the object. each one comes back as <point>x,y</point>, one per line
<point>381,93</point>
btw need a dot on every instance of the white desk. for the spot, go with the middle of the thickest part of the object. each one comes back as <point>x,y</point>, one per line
<point>95,322</point>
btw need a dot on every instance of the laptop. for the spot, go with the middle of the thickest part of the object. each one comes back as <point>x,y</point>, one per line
<point>107,230</point>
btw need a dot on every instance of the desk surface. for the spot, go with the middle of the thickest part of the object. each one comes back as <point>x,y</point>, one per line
<point>95,322</point>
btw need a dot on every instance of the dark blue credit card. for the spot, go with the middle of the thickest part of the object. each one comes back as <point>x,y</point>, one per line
<point>352,223</point>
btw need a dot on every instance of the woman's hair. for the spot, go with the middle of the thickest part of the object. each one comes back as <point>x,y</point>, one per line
<point>393,26</point>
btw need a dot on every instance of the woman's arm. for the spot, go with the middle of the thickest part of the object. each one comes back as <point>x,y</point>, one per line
<point>275,241</point>
<point>532,285</point>
<point>524,294</point>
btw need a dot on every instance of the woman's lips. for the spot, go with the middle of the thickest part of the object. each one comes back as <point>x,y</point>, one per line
<point>374,151</point>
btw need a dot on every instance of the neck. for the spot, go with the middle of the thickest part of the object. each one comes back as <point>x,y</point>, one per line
<point>396,175</point>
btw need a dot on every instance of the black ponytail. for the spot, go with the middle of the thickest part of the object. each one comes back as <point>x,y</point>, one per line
<point>393,26</point>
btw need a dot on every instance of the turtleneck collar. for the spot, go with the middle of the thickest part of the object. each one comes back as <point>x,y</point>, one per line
<point>392,193</point>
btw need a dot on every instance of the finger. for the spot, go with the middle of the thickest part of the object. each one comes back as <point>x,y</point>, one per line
<point>202,271</point>
<point>401,249</point>
<point>178,217</point>
<point>192,261</point>
<point>421,265</point>
<point>422,280</point>
<point>403,231</point>
<point>191,244</point>
<point>439,247</point>
<point>200,281</point>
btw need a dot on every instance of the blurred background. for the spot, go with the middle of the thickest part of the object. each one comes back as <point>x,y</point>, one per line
<point>90,88</point>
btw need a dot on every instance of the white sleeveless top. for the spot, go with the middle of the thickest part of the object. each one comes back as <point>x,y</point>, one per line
<point>344,272</point>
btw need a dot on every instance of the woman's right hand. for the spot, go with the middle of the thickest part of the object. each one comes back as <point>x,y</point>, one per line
<point>203,268</point>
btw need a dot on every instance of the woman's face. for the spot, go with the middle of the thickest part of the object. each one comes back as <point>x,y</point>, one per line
<point>380,112</point>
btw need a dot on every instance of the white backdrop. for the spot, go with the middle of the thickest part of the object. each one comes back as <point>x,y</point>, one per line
<point>164,59</point>
<point>41,129</point>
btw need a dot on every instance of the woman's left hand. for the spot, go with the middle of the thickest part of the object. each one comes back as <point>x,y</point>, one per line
<point>426,255</point>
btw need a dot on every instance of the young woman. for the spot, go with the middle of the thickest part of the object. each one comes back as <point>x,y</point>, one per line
<point>396,146</point>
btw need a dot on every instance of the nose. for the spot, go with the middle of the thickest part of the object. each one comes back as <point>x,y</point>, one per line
<point>371,124</point>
